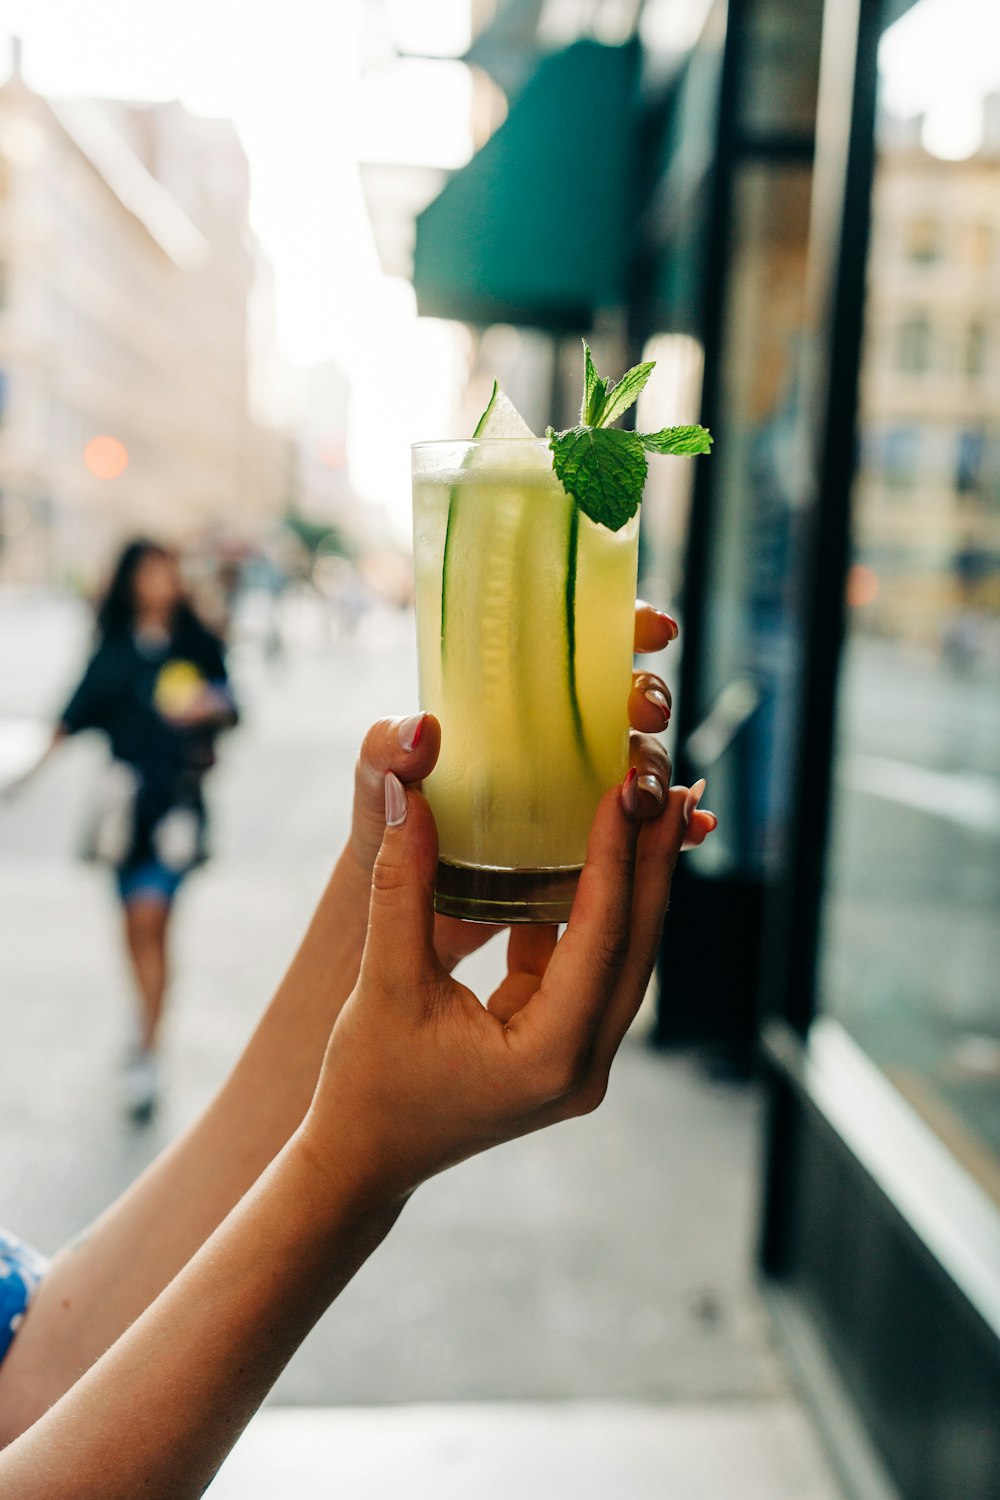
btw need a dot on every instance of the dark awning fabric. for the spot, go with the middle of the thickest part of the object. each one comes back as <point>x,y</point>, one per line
<point>535,229</point>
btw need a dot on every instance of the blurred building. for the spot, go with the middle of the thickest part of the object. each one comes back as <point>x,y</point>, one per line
<point>126,265</point>
<point>719,186</point>
<point>928,489</point>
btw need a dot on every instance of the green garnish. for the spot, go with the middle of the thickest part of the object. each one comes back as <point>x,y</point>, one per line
<point>603,468</point>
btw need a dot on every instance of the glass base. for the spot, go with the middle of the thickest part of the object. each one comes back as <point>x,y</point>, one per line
<point>484,894</point>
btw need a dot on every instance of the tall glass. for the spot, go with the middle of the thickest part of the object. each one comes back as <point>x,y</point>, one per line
<point>524,625</point>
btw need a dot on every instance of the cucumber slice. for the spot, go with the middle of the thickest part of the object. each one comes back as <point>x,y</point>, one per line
<point>501,419</point>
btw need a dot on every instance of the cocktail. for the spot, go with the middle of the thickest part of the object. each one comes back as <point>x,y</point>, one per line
<point>525,608</point>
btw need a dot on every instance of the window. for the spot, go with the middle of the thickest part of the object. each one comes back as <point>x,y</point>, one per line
<point>913,344</point>
<point>923,240</point>
<point>980,244</point>
<point>974,350</point>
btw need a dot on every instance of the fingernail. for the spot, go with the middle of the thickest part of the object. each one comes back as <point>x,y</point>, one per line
<point>410,731</point>
<point>715,822</point>
<point>395,800</point>
<point>660,701</point>
<point>652,785</point>
<point>630,797</point>
<point>675,629</point>
<point>693,798</point>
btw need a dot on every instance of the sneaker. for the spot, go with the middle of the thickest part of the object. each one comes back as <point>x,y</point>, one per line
<point>140,1085</point>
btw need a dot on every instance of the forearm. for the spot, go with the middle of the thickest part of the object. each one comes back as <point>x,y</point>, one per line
<point>157,1414</point>
<point>101,1284</point>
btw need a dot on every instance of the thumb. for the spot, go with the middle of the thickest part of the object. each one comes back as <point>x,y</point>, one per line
<point>400,941</point>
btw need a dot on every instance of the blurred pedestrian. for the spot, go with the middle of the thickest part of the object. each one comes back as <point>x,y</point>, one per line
<point>156,686</point>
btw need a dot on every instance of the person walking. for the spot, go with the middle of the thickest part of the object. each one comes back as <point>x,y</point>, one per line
<point>156,686</point>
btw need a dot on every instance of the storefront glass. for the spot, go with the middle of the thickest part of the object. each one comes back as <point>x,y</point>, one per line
<point>911,953</point>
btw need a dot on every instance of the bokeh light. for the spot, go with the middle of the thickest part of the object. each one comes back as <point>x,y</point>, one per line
<point>862,585</point>
<point>105,457</point>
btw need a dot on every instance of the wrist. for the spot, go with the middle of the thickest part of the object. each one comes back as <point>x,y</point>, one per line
<point>338,1179</point>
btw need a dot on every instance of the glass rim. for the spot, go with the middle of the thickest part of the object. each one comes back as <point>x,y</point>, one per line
<point>433,444</point>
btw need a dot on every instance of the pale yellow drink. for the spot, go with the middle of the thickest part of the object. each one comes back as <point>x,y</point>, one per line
<point>525,621</point>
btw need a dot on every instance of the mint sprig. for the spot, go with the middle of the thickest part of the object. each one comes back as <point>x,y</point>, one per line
<point>603,468</point>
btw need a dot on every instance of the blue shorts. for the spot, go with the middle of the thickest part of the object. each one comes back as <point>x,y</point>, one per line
<point>21,1269</point>
<point>148,881</point>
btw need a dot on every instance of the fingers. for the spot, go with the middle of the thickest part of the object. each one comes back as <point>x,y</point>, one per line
<point>530,948</point>
<point>656,858</point>
<point>645,796</point>
<point>701,822</point>
<point>649,703</point>
<point>587,960</point>
<point>406,746</point>
<point>399,948</point>
<point>653,628</point>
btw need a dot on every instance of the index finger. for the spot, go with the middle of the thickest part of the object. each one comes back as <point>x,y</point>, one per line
<point>653,628</point>
<point>580,979</point>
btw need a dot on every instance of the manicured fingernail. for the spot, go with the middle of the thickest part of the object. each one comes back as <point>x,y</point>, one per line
<point>693,798</point>
<point>410,731</point>
<point>395,800</point>
<point>715,822</point>
<point>659,700</point>
<point>630,797</point>
<point>652,785</point>
<point>675,629</point>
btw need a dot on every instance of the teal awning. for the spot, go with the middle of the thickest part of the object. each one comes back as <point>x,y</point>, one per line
<point>535,230</point>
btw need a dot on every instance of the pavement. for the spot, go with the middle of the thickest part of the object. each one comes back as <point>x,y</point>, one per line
<point>576,1306</point>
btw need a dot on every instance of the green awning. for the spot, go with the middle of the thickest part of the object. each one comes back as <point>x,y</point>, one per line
<point>535,230</point>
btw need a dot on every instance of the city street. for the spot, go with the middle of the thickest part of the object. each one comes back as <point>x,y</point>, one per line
<point>607,1259</point>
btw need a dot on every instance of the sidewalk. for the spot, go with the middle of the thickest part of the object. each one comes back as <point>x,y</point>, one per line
<point>589,1450</point>
<point>606,1262</point>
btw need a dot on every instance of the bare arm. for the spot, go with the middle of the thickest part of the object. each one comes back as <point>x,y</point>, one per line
<point>157,1414</point>
<point>101,1284</point>
<point>417,1076</point>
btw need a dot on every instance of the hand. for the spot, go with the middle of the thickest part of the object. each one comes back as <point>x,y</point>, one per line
<point>418,1075</point>
<point>409,748</point>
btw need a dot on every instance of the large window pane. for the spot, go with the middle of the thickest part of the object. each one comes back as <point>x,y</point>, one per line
<point>911,962</point>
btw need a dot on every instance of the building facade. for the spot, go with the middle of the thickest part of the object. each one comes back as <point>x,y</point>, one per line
<point>126,266</point>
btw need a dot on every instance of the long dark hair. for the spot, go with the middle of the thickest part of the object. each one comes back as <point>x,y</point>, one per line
<point>116,610</point>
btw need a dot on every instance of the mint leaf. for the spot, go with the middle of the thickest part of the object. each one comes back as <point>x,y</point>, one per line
<point>621,396</point>
<point>682,440</point>
<point>603,469</point>
<point>594,390</point>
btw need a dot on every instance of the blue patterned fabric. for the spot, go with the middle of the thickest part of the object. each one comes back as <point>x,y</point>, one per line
<point>21,1269</point>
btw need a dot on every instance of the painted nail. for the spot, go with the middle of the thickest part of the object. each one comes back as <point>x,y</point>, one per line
<point>410,731</point>
<point>395,800</point>
<point>652,785</point>
<point>675,629</point>
<point>659,700</point>
<point>630,797</point>
<point>693,798</point>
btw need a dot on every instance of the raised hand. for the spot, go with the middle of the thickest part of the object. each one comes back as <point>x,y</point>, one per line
<point>418,1074</point>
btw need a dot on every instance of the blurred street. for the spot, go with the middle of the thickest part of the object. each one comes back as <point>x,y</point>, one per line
<point>610,1258</point>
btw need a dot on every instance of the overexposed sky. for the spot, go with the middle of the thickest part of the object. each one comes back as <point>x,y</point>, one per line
<point>289,76</point>
<point>940,59</point>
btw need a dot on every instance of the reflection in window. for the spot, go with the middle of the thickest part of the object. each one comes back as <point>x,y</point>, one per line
<point>970,460</point>
<point>981,244</point>
<point>911,948</point>
<point>974,350</point>
<point>923,240</point>
<point>913,344</point>
<point>900,456</point>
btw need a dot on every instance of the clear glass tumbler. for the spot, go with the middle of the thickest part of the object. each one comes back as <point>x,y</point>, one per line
<point>524,623</point>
